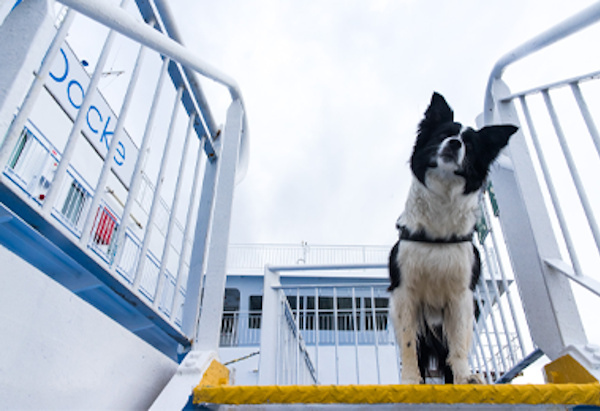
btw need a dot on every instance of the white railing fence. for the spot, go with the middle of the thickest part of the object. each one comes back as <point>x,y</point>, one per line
<point>350,338</point>
<point>294,366</point>
<point>548,197</point>
<point>110,210</point>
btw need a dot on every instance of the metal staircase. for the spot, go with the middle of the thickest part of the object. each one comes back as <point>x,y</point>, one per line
<point>110,238</point>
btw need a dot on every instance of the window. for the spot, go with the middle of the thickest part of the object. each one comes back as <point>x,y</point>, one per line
<point>106,226</point>
<point>19,148</point>
<point>381,311</point>
<point>73,205</point>
<point>255,308</point>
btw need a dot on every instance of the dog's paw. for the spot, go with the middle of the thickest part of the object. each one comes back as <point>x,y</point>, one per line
<point>412,381</point>
<point>470,379</point>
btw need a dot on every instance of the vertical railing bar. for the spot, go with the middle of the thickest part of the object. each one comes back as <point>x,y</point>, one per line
<point>505,281</point>
<point>551,190</point>
<point>587,116</point>
<point>484,285</point>
<point>297,344</point>
<point>188,225</point>
<point>373,315</point>
<point>114,142</point>
<point>482,351</point>
<point>14,131</point>
<point>235,325</point>
<point>279,368</point>
<point>490,270</point>
<point>61,171</point>
<point>492,265</point>
<point>138,172</point>
<point>573,168</point>
<point>354,327</point>
<point>317,319</point>
<point>475,354</point>
<point>335,336</point>
<point>483,320</point>
<point>157,190</point>
<point>174,206</point>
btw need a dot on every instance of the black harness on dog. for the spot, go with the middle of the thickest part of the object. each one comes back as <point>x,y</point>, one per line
<point>422,237</point>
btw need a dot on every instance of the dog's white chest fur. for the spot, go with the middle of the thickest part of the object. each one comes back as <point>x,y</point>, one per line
<point>436,272</point>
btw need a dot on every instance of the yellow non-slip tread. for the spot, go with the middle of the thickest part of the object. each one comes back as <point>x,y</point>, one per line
<point>568,394</point>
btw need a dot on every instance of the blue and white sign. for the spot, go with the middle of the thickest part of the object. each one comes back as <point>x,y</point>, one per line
<point>68,83</point>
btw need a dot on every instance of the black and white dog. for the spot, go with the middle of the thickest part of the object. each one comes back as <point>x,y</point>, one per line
<point>434,266</point>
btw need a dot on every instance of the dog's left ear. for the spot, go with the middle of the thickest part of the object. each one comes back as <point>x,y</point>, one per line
<point>496,137</point>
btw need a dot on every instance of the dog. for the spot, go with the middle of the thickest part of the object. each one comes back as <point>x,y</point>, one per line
<point>435,266</point>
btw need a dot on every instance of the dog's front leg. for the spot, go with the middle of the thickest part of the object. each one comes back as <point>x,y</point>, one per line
<point>406,327</point>
<point>458,324</point>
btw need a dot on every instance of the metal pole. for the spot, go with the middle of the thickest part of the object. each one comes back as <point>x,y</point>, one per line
<point>207,336</point>
<point>483,284</point>
<point>67,154</point>
<point>551,189</point>
<point>505,282</point>
<point>587,117</point>
<point>173,215</point>
<point>355,328</point>
<point>188,227</point>
<point>297,343</point>
<point>317,330</point>
<point>136,177</point>
<point>156,199</point>
<point>376,335</point>
<point>108,160</point>
<point>585,202</point>
<point>483,321</point>
<point>335,336</point>
<point>14,131</point>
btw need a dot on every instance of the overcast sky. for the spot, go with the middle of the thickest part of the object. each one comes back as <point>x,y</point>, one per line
<point>334,91</point>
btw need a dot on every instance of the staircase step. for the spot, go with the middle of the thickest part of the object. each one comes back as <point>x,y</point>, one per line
<point>490,395</point>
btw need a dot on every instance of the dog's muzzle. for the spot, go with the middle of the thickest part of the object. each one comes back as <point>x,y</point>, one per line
<point>452,150</point>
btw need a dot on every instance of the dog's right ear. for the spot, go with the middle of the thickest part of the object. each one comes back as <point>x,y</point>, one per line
<point>438,111</point>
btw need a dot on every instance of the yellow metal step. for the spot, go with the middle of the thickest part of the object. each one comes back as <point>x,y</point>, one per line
<point>567,394</point>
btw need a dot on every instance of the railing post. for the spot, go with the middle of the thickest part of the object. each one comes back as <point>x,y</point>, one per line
<point>139,272</point>
<point>138,171</point>
<point>267,369</point>
<point>187,230</point>
<point>108,160</point>
<point>14,131</point>
<point>172,217</point>
<point>26,33</point>
<point>548,300</point>
<point>74,136</point>
<point>209,326</point>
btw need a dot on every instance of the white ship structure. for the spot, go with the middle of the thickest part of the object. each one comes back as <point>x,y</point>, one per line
<point>121,290</point>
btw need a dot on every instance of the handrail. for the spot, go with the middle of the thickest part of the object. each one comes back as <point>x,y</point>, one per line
<point>119,20</point>
<point>569,26</point>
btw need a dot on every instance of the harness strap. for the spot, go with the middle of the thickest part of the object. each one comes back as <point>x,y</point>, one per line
<point>422,237</point>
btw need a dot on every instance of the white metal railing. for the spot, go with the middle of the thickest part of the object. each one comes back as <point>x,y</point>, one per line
<point>294,366</point>
<point>42,172</point>
<point>346,320</point>
<point>244,258</point>
<point>548,199</point>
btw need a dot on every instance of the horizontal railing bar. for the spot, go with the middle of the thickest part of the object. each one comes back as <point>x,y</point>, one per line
<point>310,267</point>
<point>119,20</point>
<point>583,280</point>
<point>563,83</point>
<point>517,369</point>
<point>340,285</point>
<point>569,26</point>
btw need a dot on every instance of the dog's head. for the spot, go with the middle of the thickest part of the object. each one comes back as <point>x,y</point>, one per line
<point>448,149</point>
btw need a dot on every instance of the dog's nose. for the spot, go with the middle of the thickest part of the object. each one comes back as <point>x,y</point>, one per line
<point>454,144</point>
